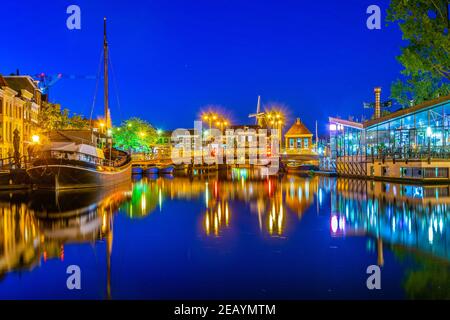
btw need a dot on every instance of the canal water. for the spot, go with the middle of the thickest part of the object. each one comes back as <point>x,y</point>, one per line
<point>236,236</point>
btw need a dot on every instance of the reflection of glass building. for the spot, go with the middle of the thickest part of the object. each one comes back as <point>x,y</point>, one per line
<point>412,143</point>
<point>414,217</point>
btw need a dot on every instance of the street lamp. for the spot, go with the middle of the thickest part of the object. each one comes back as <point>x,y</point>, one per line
<point>35,138</point>
<point>211,117</point>
<point>275,120</point>
<point>429,134</point>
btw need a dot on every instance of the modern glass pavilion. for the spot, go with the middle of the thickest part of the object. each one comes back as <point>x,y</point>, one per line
<point>413,132</point>
<point>419,133</point>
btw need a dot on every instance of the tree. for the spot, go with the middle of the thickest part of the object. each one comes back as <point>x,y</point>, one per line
<point>135,135</point>
<point>78,121</point>
<point>418,88</point>
<point>51,117</point>
<point>426,58</point>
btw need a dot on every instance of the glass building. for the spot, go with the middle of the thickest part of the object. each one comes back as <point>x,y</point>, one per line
<point>419,136</point>
<point>414,132</point>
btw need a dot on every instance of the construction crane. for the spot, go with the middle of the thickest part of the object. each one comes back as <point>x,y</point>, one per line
<point>45,81</point>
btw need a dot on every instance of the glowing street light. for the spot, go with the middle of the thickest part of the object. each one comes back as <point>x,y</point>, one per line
<point>214,118</point>
<point>275,120</point>
<point>35,138</point>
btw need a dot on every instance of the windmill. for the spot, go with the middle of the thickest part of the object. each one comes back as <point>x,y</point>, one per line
<point>259,116</point>
<point>377,105</point>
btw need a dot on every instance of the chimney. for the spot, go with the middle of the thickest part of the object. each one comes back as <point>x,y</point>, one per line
<point>377,91</point>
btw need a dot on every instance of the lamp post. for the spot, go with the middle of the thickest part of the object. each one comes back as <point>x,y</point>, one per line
<point>211,117</point>
<point>35,140</point>
<point>222,124</point>
<point>275,121</point>
<point>429,134</point>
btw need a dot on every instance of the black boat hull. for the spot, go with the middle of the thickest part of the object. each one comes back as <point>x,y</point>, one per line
<point>67,176</point>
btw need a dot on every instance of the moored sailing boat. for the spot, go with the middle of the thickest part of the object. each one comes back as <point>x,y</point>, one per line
<point>73,160</point>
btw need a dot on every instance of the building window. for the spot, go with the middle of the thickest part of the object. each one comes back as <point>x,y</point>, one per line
<point>435,173</point>
<point>291,143</point>
<point>305,143</point>
<point>299,143</point>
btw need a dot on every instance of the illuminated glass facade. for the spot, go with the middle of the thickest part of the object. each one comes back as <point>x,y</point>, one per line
<point>425,131</point>
<point>418,132</point>
<point>346,138</point>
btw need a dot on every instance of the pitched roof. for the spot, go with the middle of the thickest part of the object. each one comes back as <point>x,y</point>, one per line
<point>2,82</point>
<point>17,83</point>
<point>298,128</point>
<point>69,135</point>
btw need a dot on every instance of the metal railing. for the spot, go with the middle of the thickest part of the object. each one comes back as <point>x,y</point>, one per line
<point>78,156</point>
<point>402,153</point>
<point>10,163</point>
<point>408,153</point>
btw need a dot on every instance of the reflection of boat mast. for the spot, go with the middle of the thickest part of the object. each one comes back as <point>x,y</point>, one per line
<point>108,231</point>
<point>380,251</point>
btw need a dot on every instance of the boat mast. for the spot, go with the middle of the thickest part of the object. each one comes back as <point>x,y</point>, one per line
<point>105,74</point>
<point>317,138</point>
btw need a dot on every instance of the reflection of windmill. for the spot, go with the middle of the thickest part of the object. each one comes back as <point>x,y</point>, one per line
<point>378,105</point>
<point>259,116</point>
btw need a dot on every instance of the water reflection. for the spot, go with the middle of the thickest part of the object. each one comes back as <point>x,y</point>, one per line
<point>266,196</point>
<point>409,222</point>
<point>411,219</point>
<point>20,238</point>
<point>35,227</point>
<point>411,216</point>
<point>414,216</point>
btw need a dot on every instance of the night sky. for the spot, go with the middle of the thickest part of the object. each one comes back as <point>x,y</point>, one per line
<point>170,58</point>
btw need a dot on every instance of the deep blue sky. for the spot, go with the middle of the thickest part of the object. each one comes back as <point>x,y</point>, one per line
<point>172,57</point>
